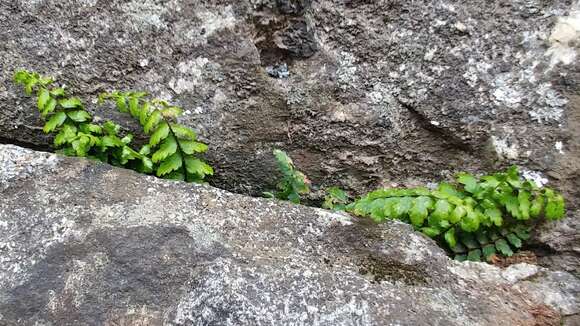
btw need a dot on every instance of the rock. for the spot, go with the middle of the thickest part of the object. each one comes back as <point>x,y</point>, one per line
<point>380,92</point>
<point>278,71</point>
<point>559,290</point>
<point>97,245</point>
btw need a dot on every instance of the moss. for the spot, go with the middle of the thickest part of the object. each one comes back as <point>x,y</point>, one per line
<point>381,269</point>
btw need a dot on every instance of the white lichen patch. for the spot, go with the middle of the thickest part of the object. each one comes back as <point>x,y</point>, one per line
<point>146,211</point>
<point>75,281</point>
<point>61,230</point>
<point>417,249</point>
<point>535,176</point>
<point>347,69</point>
<point>88,3</point>
<point>446,302</point>
<point>506,92</point>
<point>555,288</point>
<point>31,4</point>
<point>190,75</point>
<point>328,218</point>
<point>565,37</point>
<point>471,76</point>
<point>78,277</point>
<point>504,148</point>
<point>141,315</point>
<point>460,26</point>
<point>13,262</point>
<point>553,104</point>
<point>525,84</point>
<point>69,41</point>
<point>559,147</point>
<point>375,97</point>
<point>430,54</point>
<point>475,71</point>
<point>145,14</point>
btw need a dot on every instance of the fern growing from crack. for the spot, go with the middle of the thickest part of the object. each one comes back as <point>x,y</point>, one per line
<point>173,146</point>
<point>76,132</point>
<point>293,184</point>
<point>170,152</point>
<point>472,218</point>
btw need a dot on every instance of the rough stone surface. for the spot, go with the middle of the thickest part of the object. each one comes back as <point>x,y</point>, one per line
<point>375,92</point>
<point>96,245</point>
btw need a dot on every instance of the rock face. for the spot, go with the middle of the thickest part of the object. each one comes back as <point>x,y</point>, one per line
<point>360,93</point>
<point>96,245</point>
<point>369,92</point>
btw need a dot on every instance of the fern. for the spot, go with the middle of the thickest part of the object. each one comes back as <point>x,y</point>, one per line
<point>170,152</point>
<point>474,218</point>
<point>76,133</point>
<point>293,184</point>
<point>336,199</point>
<point>173,146</point>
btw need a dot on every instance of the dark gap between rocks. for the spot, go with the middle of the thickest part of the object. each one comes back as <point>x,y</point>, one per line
<point>35,147</point>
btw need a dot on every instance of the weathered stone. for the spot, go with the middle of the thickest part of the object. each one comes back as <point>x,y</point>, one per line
<point>378,92</point>
<point>293,6</point>
<point>96,245</point>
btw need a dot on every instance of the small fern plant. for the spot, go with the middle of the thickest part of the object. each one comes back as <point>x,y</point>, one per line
<point>336,199</point>
<point>294,183</point>
<point>77,134</point>
<point>174,147</point>
<point>475,218</point>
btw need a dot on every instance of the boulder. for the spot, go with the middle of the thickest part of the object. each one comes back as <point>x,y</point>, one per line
<point>83,243</point>
<point>361,94</point>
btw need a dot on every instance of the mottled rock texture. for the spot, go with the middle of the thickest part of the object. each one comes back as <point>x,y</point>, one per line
<point>376,92</point>
<point>96,245</point>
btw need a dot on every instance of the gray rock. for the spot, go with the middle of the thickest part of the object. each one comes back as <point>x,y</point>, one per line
<point>278,71</point>
<point>381,92</point>
<point>559,290</point>
<point>97,245</point>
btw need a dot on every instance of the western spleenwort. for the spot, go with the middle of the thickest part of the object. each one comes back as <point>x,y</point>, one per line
<point>169,154</point>
<point>174,146</point>
<point>294,183</point>
<point>472,218</point>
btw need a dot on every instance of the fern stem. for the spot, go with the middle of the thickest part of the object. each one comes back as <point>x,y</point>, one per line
<point>181,152</point>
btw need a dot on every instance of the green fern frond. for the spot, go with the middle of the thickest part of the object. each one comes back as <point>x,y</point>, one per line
<point>293,184</point>
<point>171,149</point>
<point>503,204</point>
<point>173,145</point>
